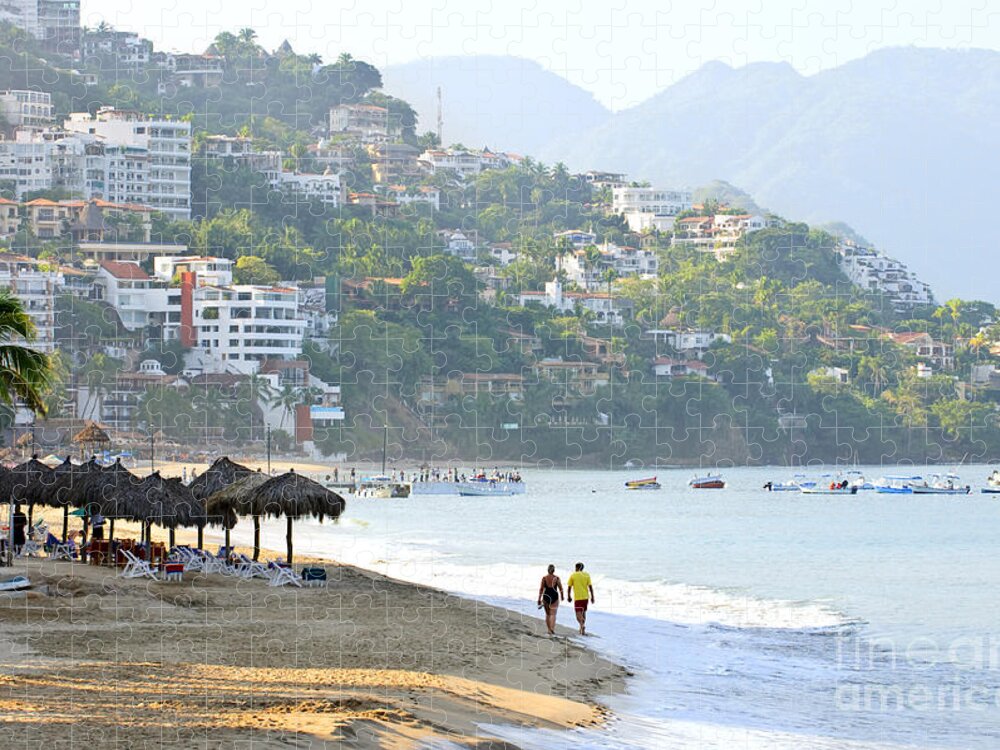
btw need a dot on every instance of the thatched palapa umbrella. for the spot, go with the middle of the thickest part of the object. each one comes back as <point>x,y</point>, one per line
<point>293,496</point>
<point>92,435</point>
<point>67,488</point>
<point>221,474</point>
<point>112,490</point>
<point>29,483</point>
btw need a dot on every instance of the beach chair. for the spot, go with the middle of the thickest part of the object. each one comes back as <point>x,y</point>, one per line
<point>63,551</point>
<point>314,575</point>
<point>246,568</point>
<point>281,574</point>
<point>136,568</point>
<point>30,548</point>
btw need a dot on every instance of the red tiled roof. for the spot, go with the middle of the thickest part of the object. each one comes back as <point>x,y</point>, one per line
<point>123,270</point>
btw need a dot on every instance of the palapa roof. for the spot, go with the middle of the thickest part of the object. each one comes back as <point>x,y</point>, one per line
<point>68,484</point>
<point>290,494</point>
<point>220,474</point>
<point>295,496</point>
<point>165,502</point>
<point>232,500</point>
<point>92,433</point>
<point>29,482</point>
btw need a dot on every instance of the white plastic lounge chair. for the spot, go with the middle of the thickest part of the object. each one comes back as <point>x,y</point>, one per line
<point>136,568</point>
<point>282,575</point>
<point>246,568</point>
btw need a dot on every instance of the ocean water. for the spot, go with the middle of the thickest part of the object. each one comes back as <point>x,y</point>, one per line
<point>751,619</point>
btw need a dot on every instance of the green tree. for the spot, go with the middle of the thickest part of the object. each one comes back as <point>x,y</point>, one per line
<point>24,372</point>
<point>251,269</point>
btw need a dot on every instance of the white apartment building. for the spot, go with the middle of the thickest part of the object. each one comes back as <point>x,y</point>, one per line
<point>55,23</point>
<point>324,188</point>
<point>606,308</point>
<point>465,164</point>
<point>874,272</point>
<point>366,122</point>
<point>239,324</point>
<point>691,341</point>
<point>592,273</point>
<point>720,233</point>
<point>126,49</point>
<point>459,245</point>
<point>168,143</point>
<point>27,109</point>
<point>240,150</point>
<point>649,208</point>
<point>35,284</point>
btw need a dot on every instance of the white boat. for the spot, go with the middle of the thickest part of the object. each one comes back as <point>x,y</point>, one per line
<point>849,490</point>
<point>444,487</point>
<point>792,485</point>
<point>381,486</point>
<point>487,488</point>
<point>937,484</point>
<point>897,485</point>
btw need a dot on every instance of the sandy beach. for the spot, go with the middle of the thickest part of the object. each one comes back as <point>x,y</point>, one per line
<point>92,659</point>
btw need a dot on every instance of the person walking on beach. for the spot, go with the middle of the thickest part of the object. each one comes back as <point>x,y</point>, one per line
<point>20,522</point>
<point>579,587</point>
<point>549,593</point>
<point>97,526</point>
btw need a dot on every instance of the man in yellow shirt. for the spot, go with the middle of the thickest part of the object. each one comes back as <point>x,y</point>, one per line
<point>579,590</point>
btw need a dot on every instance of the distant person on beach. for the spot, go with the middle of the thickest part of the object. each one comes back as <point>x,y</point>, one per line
<point>549,593</point>
<point>97,525</point>
<point>20,522</point>
<point>580,589</point>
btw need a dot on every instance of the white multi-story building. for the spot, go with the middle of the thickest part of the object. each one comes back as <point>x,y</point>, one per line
<point>457,243</point>
<point>35,284</point>
<point>692,341</point>
<point>27,109</point>
<point>324,188</point>
<point>720,233</point>
<point>240,150</point>
<point>194,300</point>
<point>168,143</point>
<point>607,309</point>
<point>367,122</point>
<point>463,163</point>
<point>874,272</point>
<point>593,272</point>
<point>127,51</point>
<point>55,23</point>
<point>649,208</point>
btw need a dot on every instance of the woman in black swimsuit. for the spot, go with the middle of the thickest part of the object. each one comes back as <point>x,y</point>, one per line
<point>550,593</point>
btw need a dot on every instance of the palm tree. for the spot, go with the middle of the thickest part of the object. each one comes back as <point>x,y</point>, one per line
<point>287,398</point>
<point>24,372</point>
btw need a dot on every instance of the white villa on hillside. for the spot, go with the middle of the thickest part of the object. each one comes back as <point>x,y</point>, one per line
<point>874,272</point>
<point>606,308</point>
<point>650,208</point>
<point>622,261</point>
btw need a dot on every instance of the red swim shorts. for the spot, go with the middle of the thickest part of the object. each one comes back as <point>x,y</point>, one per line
<point>580,604</point>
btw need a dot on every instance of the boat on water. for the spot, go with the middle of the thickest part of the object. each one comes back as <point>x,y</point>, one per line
<point>856,479</point>
<point>451,484</point>
<point>838,490</point>
<point>488,488</point>
<point>382,486</point>
<point>938,484</point>
<point>897,485</point>
<point>649,483</point>
<point>992,483</point>
<point>794,484</point>
<point>708,482</point>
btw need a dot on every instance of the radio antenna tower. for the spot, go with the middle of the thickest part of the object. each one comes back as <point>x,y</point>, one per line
<point>440,121</point>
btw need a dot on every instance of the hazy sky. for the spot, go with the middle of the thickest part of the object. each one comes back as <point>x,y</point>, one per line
<point>622,51</point>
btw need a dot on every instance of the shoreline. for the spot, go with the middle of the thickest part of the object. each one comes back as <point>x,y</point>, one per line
<point>374,662</point>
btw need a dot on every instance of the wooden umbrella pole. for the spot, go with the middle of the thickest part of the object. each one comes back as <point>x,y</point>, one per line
<point>256,538</point>
<point>201,537</point>
<point>173,537</point>
<point>112,558</point>
<point>31,514</point>
<point>229,549</point>
<point>288,537</point>
<point>65,523</point>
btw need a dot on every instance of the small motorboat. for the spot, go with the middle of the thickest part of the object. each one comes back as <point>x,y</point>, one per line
<point>897,485</point>
<point>838,490</point>
<point>17,583</point>
<point>643,484</point>
<point>992,483</point>
<point>708,482</point>
<point>792,485</point>
<point>382,486</point>
<point>479,488</point>
<point>935,484</point>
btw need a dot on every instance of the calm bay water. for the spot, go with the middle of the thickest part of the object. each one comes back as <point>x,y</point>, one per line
<point>751,618</point>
